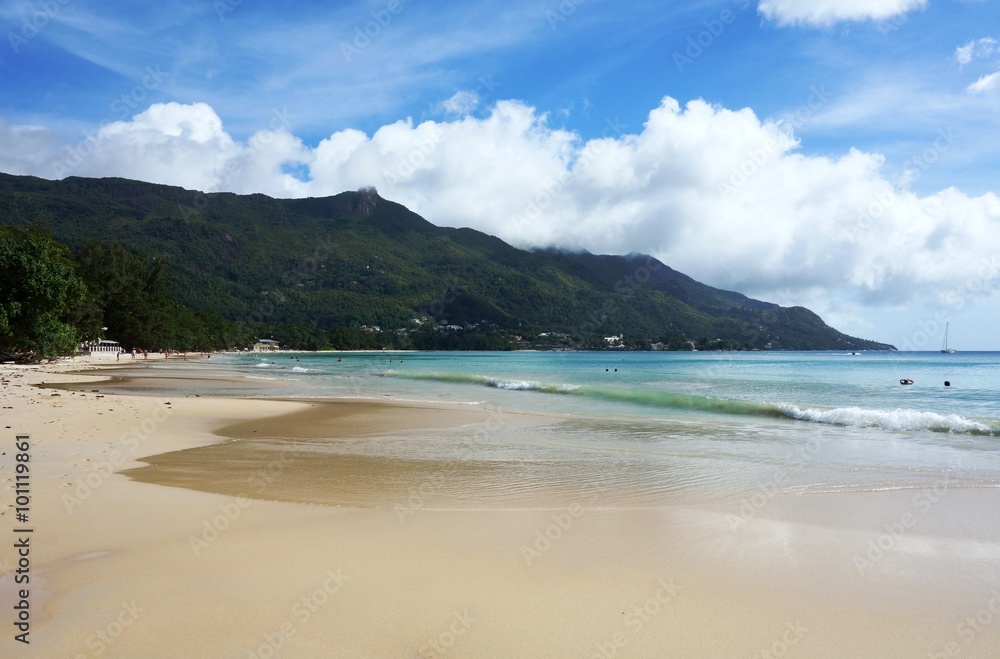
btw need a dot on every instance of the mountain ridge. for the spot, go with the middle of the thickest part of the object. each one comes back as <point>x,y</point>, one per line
<point>356,259</point>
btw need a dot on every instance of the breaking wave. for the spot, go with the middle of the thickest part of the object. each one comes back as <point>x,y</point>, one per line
<point>899,419</point>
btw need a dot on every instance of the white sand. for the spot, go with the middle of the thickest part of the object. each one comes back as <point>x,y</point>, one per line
<point>169,572</point>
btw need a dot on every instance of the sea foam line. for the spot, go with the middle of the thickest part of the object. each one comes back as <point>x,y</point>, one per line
<point>899,419</point>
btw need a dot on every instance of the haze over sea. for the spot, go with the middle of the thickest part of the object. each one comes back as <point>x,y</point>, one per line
<point>648,428</point>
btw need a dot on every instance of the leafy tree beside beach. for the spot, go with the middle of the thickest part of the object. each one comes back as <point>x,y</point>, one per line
<point>50,303</point>
<point>133,293</point>
<point>40,294</point>
<point>133,297</point>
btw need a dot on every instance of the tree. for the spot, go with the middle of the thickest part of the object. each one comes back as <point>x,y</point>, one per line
<point>139,309</point>
<point>39,293</point>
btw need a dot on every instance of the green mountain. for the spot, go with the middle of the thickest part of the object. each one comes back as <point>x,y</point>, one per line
<point>356,260</point>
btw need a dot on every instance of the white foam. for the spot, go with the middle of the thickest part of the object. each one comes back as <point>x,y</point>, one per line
<point>898,419</point>
<point>527,385</point>
<point>522,385</point>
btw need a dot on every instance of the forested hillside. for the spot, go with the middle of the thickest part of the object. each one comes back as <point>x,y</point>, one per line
<point>328,271</point>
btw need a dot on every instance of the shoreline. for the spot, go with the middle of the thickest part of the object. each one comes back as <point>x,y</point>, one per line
<point>159,570</point>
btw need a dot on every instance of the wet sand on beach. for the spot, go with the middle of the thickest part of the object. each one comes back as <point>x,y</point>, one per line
<point>162,571</point>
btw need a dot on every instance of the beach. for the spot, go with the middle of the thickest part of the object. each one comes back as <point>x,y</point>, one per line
<point>167,524</point>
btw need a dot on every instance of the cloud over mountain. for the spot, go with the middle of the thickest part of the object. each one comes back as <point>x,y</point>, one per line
<point>717,193</point>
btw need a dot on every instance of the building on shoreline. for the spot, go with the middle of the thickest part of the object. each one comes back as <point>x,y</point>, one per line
<point>266,345</point>
<point>100,347</point>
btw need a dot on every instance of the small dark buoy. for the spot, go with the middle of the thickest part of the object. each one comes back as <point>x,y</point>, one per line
<point>947,383</point>
<point>616,370</point>
<point>605,370</point>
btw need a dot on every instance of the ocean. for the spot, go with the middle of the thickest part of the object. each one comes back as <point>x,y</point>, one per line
<point>627,429</point>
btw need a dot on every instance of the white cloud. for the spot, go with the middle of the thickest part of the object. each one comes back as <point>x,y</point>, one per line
<point>975,49</point>
<point>26,149</point>
<point>184,145</point>
<point>988,83</point>
<point>719,194</point>
<point>461,103</point>
<point>824,13</point>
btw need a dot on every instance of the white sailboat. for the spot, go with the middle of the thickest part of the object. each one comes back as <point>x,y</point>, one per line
<point>944,347</point>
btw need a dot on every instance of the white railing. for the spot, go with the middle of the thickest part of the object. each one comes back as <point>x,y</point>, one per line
<point>104,348</point>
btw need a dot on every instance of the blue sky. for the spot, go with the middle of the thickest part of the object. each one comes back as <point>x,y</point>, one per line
<point>868,128</point>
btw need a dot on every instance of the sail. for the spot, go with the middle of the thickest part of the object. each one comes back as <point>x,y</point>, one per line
<point>944,346</point>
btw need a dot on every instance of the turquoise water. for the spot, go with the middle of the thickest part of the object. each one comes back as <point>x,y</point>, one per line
<point>650,427</point>
<point>836,388</point>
